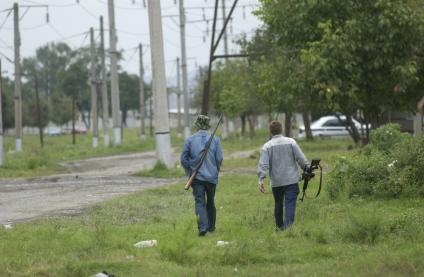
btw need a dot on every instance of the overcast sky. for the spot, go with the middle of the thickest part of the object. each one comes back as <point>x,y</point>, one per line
<point>69,22</point>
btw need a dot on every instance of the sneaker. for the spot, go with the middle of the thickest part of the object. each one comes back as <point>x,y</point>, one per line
<point>211,230</point>
<point>202,233</point>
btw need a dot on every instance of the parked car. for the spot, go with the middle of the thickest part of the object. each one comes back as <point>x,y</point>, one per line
<point>54,131</point>
<point>329,126</point>
<point>77,130</point>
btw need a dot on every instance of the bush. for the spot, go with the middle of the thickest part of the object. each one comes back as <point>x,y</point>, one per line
<point>365,229</point>
<point>392,165</point>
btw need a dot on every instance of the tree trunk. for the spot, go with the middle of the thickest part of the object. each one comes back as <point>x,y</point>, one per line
<point>124,117</point>
<point>287,124</point>
<point>307,123</point>
<point>84,119</point>
<point>243,124</point>
<point>350,126</point>
<point>251,120</point>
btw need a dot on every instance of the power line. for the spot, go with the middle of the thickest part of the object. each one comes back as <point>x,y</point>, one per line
<point>53,5</point>
<point>60,35</point>
<point>7,16</point>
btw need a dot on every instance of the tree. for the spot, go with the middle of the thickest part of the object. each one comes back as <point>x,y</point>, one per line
<point>130,94</point>
<point>370,61</point>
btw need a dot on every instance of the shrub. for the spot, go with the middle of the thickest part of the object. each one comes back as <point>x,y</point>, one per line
<point>365,229</point>
<point>392,165</point>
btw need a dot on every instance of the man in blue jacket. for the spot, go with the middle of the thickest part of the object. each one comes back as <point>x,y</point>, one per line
<point>204,184</point>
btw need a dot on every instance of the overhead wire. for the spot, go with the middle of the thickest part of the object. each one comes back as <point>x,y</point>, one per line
<point>7,16</point>
<point>53,5</point>
<point>60,35</point>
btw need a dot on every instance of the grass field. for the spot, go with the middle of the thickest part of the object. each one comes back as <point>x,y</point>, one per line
<point>357,237</point>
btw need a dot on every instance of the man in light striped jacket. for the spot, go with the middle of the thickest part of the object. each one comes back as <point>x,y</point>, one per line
<point>279,158</point>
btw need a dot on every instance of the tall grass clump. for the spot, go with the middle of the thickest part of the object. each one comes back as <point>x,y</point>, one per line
<point>365,229</point>
<point>392,165</point>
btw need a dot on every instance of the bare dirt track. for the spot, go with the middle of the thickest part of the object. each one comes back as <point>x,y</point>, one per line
<point>88,181</point>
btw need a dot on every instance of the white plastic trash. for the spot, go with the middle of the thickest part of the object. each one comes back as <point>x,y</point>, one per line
<point>8,226</point>
<point>146,243</point>
<point>222,243</point>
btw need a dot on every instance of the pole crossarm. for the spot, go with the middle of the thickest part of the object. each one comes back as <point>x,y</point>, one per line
<point>230,56</point>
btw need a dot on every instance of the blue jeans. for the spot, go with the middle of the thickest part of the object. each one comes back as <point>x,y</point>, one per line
<point>289,195</point>
<point>204,195</point>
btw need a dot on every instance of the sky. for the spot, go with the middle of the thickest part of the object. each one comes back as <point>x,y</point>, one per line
<point>70,21</point>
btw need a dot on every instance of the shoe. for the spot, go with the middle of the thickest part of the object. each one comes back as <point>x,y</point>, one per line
<point>211,230</point>
<point>202,233</point>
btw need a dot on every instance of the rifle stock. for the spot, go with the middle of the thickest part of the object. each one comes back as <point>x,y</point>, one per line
<point>190,181</point>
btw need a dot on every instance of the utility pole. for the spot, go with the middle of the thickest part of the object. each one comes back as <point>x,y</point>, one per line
<point>39,114</point>
<point>1,118</point>
<point>184,70</point>
<point>151,114</point>
<point>226,127</point>
<point>18,93</point>
<point>142,104</point>
<point>178,98</point>
<point>105,101</point>
<point>162,135</point>
<point>114,83</point>
<point>93,83</point>
<point>73,117</point>
<point>224,15</point>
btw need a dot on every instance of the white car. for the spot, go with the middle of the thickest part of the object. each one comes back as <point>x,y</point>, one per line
<point>329,126</point>
<point>54,131</point>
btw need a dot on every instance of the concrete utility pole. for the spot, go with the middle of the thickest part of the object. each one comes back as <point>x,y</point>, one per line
<point>142,104</point>
<point>18,93</point>
<point>178,98</point>
<point>93,83</point>
<point>105,101</point>
<point>226,127</point>
<point>1,119</point>
<point>224,15</point>
<point>162,136</point>
<point>114,83</point>
<point>184,71</point>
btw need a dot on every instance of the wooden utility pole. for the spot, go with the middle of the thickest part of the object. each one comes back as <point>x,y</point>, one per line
<point>141,84</point>
<point>162,134</point>
<point>184,70</point>
<point>114,82</point>
<point>105,100</point>
<point>1,118</point>
<point>18,93</point>
<point>93,83</point>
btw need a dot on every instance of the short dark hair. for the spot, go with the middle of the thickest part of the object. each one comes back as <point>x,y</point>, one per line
<point>275,128</point>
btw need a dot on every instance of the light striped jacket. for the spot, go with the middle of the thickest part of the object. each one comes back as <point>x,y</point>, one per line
<point>279,158</point>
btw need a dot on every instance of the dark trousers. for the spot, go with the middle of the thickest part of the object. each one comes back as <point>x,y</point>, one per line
<point>286,195</point>
<point>204,196</point>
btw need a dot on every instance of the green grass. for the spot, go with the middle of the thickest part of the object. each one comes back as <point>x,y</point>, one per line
<point>357,237</point>
<point>36,161</point>
<point>161,171</point>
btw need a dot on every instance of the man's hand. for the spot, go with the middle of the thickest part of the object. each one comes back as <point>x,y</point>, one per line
<point>261,187</point>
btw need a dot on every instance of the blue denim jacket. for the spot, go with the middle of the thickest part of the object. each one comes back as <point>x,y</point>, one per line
<point>191,153</point>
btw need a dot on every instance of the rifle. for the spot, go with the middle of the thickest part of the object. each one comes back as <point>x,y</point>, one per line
<point>204,152</point>
<point>308,174</point>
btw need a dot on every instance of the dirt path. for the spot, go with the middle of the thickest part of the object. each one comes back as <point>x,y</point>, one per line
<point>89,181</point>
